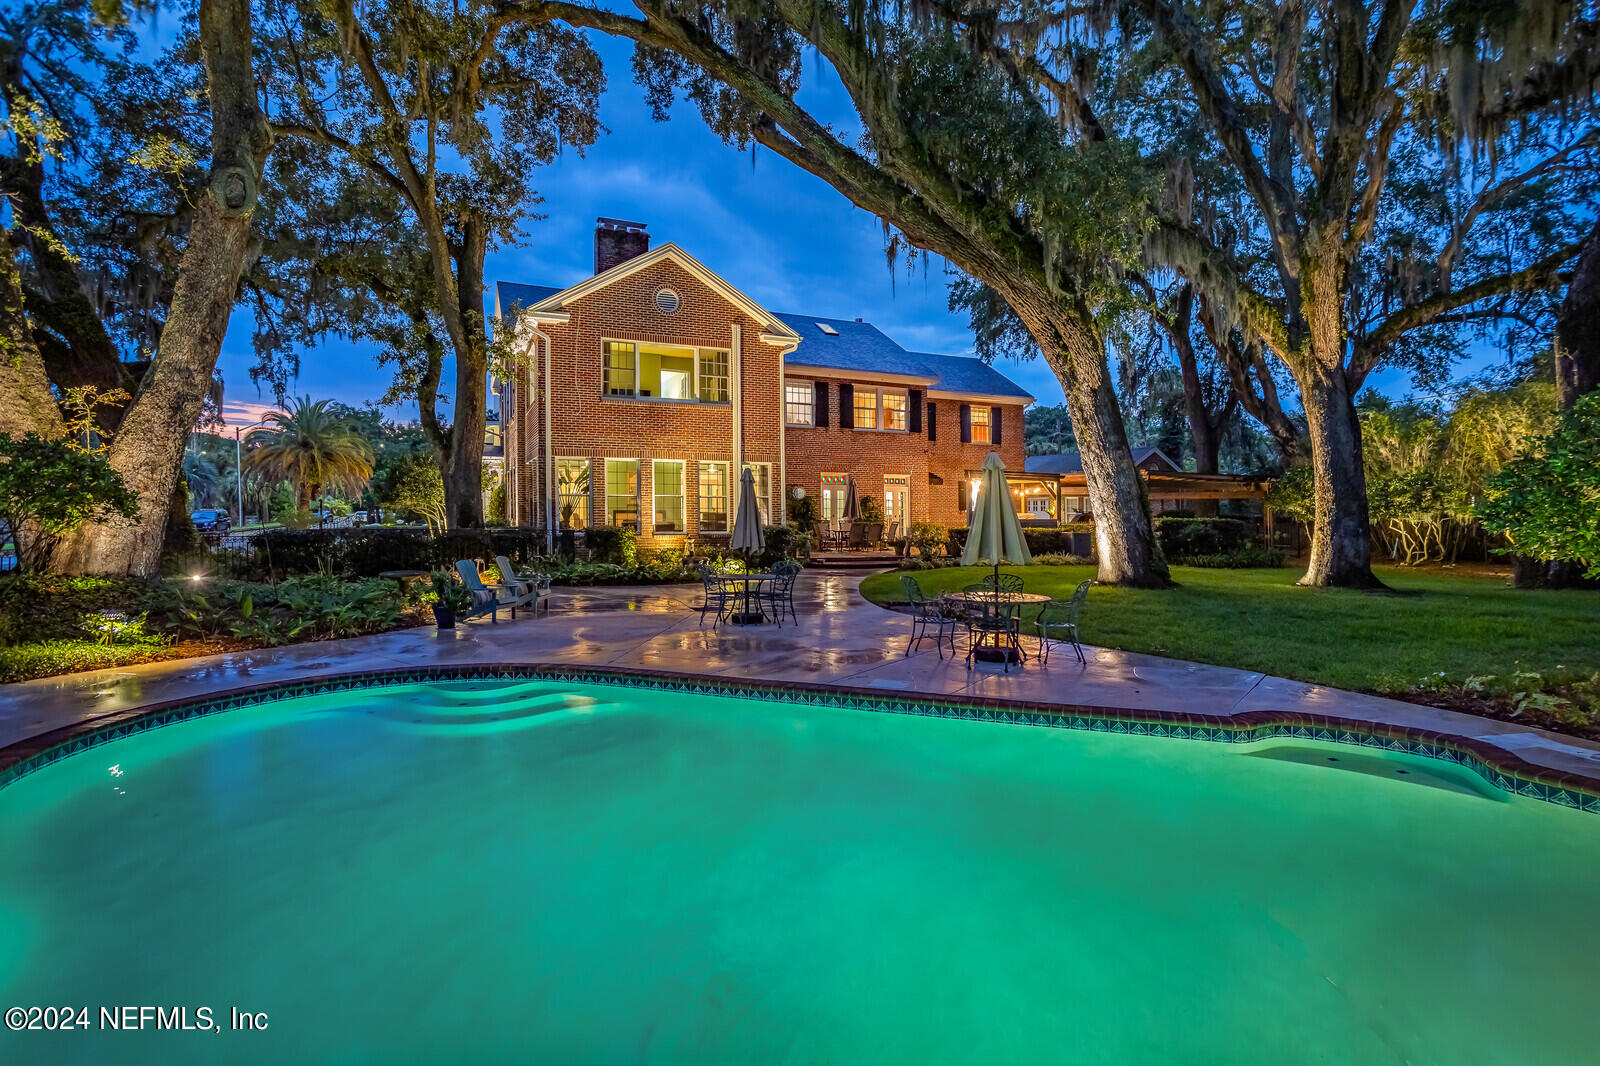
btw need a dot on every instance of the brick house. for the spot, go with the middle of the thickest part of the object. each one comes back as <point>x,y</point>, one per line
<point>644,390</point>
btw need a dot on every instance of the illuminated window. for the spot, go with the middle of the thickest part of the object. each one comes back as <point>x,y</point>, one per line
<point>866,408</point>
<point>667,475</point>
<point>621,368</point>
<point>834,486</point>
<point>894,411</point>
<point>572,493</point>
<point>713,497</point>
<point>980,425</point>
<point>622,493</point>
<point>800,404</point>
<point>763,475</point>
<point>713,376</point>
<point>896,491</point>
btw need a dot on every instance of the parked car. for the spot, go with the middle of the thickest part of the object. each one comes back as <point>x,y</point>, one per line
<point>210,521</point>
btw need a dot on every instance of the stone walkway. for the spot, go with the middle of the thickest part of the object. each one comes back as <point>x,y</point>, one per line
<point>841,639</point>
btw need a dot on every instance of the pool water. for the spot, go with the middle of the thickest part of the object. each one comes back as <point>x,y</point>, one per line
<point>553,873</point>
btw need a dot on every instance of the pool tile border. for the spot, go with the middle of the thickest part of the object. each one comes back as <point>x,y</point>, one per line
<point>1499,767</point>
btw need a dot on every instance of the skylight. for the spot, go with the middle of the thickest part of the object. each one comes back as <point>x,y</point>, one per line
<point>829,330</point>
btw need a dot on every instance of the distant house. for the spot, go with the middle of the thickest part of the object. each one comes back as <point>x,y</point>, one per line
<point>1169,486</point>
<point>645,389</point>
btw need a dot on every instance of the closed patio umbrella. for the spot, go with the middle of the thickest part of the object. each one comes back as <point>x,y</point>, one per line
<point>852,506</point>
<point>747,536</point>
<point>994,535</point>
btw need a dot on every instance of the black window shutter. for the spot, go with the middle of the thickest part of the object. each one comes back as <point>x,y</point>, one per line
<point>914,402</point>
<point>822,403</point>
<point>995,422</point>
<point>966,423</point>
<point>847,406</point>
<point>961,495</point>
<point>933,421</point>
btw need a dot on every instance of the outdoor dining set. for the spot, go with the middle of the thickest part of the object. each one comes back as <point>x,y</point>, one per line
<point>990,614</point>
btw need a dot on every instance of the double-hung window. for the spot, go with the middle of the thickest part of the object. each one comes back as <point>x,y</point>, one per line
<point>714,497</point>
<point>980,425</point>
<point>572,493</point>
<point>763,476</point>
<point>800,404</point>
<point>622,368</point>
<point>667,475</point>
<point>865,407</point>
<point>622,493</point>
<point>713,376</point>
<point>894,410</point>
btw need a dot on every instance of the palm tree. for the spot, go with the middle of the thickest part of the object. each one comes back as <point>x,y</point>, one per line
<point>313,448</point>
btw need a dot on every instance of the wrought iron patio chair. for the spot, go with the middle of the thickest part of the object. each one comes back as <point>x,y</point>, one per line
<point>996,623</point>
<point>927,612</point>
<point>1005,583</point>
<point>716,598</point>
<point>778,595</point>
<point>1058,623</point>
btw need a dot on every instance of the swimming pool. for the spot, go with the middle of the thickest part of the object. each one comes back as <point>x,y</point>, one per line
<point>559,872</point>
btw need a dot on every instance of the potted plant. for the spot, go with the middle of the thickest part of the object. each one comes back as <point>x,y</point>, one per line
<point>451,600</point>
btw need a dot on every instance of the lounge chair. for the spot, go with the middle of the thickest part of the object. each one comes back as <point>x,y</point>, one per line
<point>537,584</point>
<point>488,599</point>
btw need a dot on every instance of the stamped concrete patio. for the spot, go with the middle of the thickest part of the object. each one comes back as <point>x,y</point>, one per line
<point>841,639</point>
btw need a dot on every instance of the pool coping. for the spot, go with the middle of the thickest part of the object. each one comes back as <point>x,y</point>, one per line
<point>1501,768</point>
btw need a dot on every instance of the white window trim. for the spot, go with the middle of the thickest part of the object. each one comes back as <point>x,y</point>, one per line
<point>698,354</point>
<point>683,498</point>
<point>809,386</point>
<point>588,510</point>
<point>727,498</point>
<point>760,497</point>
<point>878,392</point>
<point>638,486</point>
<point>988,425</point>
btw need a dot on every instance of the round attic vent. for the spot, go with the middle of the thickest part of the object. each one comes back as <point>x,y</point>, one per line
<point>667,301</point>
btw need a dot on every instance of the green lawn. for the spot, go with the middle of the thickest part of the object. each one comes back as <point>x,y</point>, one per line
<point>1463,625</point>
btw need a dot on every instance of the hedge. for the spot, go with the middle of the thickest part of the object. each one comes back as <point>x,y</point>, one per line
<point>369,552</point>
<point>1074,538</point>
<point>1181,538</point>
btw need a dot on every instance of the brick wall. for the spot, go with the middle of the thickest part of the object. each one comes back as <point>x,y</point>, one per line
<point>869,455</point>
<point>585,423</point>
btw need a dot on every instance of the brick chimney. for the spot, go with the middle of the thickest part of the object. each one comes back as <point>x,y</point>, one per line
<point>617,241</point>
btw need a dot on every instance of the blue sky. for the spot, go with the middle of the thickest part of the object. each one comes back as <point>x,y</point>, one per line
<point>787,239</point>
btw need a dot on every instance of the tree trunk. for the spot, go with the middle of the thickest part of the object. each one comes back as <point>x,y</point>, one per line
<point>26,405</point>
<point>1247,371</point>
<point>462,465</point>
<point>1578,332</point>
<point>148,449</point>
<point>1341,532</point>
<point>1125,542</point>
<point>1205,434</point>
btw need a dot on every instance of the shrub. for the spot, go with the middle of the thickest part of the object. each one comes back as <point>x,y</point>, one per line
<point>1061,559</point>
<point>612,544</point>
<point>1186,537</point>
<point>38,607</point>
<point>50,488</point>
<point>927,538</point>
<point>1547,503</point>
<point>803,512</point>
<point>1070,539</point>
<point>1249,557</point>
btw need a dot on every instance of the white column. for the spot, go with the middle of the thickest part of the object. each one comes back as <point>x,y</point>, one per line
<point>735,393</point>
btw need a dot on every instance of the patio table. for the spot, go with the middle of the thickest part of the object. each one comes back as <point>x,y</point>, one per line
<point>1008,650</point>
<point>747,617</point>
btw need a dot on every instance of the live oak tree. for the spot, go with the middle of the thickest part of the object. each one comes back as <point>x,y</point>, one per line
<point>411,132</point>
<point>1318,107</point>
<point>955,156</point>
<point>147,450</point>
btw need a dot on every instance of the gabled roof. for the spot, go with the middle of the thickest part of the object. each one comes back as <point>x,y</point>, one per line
<point>509,296</point>
<point>1072,462</point>
<point>554,301</point>
<point>863,347</point>
<point>835,344</point>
